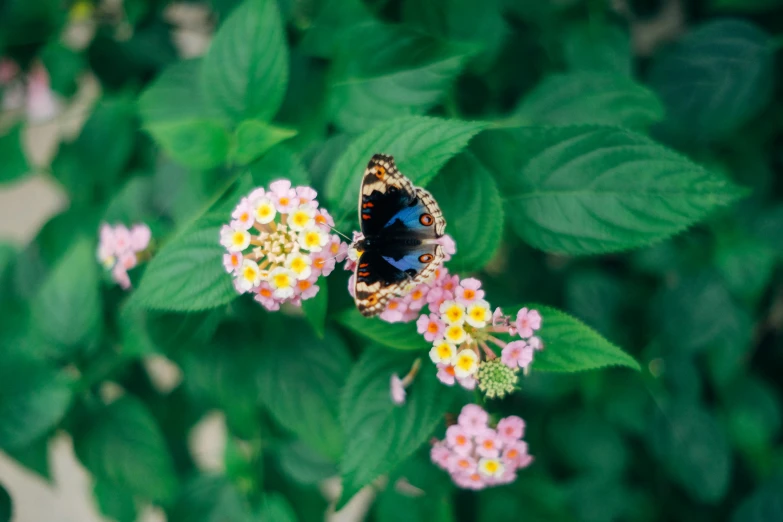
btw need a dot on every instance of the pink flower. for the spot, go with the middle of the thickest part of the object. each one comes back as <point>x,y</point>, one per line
<point>351,285</point>
<point>449,246</point>
<point>232,262</point>
<point>394,311</point>
<point>437,296</point>
<point>440,455</point>
<point>397,390</point>
<point>459,440</point>
<point>140,236</point>
<point>488,444</point>
<point>511,429</point>
<point>418,297</point>
<point>307,287</point>
<point>306,195</point>
<point>127,260</point>
<point>265,296</point>
<point>8,70</point>
<point>527,322</point>
<point>517,354</point>
<point>508,476</point>
<point>122,240</point>
<point>469,382</point>
<point>535,343</point>
<point>473,419</point>
<point>256,194</point>
<point>472,481</point>
<point>243,215</point>
<point>431,326</point>
<point>42,104</point>
<point>120,275</point>
<point>446,374</point>
<point>449,284</point>
<point>468,291</point>
<point>515,454</point>
<point>284,196</point>
<point>463,464</point>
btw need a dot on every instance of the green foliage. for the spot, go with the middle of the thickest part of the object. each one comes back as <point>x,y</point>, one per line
<point>380,435</point>
<point>622,177</point>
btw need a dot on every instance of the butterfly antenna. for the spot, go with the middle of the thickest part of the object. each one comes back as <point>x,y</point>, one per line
<point>350,240</point>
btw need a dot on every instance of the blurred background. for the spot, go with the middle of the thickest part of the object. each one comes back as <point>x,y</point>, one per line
<point>695,436</point>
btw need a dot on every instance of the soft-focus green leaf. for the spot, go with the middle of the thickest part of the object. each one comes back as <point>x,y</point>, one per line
<point>763,505</point>
<point>123,445</point>
<point>593,189</point>
<point>275,508</point>
<point>571,346</point>
<point>389,72</point>
<point>33,399</point>
<point>714,79</point>
<point>753,413</point>
<point>420,146</point>
<point>744,6</point>
<point>187,274</point>
<point>6,508</point>
<point>67,307</point>
<point>401,336</point>
<point>175,113</point>
<point>380,435</point>
<point>279,162</point>
<point>473,209</point>
<point>300,380</point>
<point>304,465</point>
<point>589,97</point>
<point>606,453</point>
<point>208,498</point>
<point>254,138</point>
<point>315,309</point>
<point>692,449</point>
<point>14,163</point>
<point>114,502</point>
<point>245,71</point>
<point>598,47</point>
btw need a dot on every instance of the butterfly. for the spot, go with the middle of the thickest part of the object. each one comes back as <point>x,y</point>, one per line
<point>401,225</point>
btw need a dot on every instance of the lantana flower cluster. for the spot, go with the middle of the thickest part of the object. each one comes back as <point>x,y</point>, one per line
<point>279,243</point>
<point>479,456</point>
<point>121,249</point>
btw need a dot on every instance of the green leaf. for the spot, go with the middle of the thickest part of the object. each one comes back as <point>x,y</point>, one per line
<point>571,346</point>
<point>380,435</point>
<point>387,72</point>
<point>187,274</point>
<point>207,498</point>
<point>304,465</point>
<point>34,456</point>
<point>245,71</point>
<point>176,114</point>
<point>744,6</point>
<point>753,414</point>
<point>33,399</point>
<point>132,203</point>
<point>589,97</point>
<point>594,189</point>
<point>279,162</point>
<point>714,79</point>
<point>763,505</point>
<point>114,502</point>
<point>67,308</point>
<point>300,379</point>
<point>480,24</point>
<point>275,508</point>
<point>254,138</point>
<point>693,451</point>
<point>6,507</point>
<point>420,146</point>
<point>14,164</point>
<point>471,204</point>
<point>598,47</point>
<point>315,309</point>
<point>400,336</point>
<point>122,444</point>
<point>64,66</point>
<point>606,453</point>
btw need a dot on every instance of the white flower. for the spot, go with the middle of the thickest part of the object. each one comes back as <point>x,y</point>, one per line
<point>282,280</point>
<point>299,264</point>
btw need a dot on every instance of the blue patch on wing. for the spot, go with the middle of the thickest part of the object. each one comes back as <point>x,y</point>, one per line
<point>409,216</point>
<point>406,262</point>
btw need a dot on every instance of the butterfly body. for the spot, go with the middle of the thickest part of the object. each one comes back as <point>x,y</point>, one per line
<point>401,228</point>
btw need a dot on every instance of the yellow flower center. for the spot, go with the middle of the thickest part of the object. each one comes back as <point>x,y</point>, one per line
<point>477,314</point>
<point>298,264</point>
<point>492,466</point>
<point>454,313</point>
<point>312,239</point>
<point>455,332</point>
<point>465,362</point>
<point>444,350</point>
<point>238,238</point>
<point>281,280</point>
<point>250,273</point>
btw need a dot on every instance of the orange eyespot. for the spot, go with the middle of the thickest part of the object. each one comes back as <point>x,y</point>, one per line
<point>380,172</point>
<point>425,258</point>
<point>426,219</point>
<point>373,299</point>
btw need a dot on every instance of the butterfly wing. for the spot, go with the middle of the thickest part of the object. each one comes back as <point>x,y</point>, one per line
<point>393,270</point>
<point>403,224</point>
